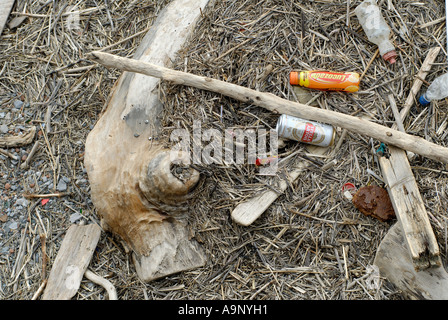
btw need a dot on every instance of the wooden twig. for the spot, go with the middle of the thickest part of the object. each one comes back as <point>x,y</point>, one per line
<point>278,105</point>
<point>28,159</point>
<point>39,290</point>
<point>47,195</point>
<point>369,64</point>
<point>112,292</point>
<point>9,154</point>
<point>43,243</point>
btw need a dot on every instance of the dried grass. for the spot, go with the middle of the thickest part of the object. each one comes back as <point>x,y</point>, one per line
<point>320,248</point>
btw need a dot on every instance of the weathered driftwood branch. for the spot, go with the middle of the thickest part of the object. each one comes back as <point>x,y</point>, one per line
<point>137,191</point>
<point>276,104</point>
<point>106,284</point>
<point>403,189</point>
<point>71,262</point>
<point>17,141</point>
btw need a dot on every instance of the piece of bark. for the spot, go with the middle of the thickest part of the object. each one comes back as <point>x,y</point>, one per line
<point>374,201</point>
<point>71,262</point>
<point>18,141</point>
<point>132,186</point>
<point>279,105</point>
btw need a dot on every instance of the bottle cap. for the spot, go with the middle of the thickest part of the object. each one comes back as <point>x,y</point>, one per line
<point>390,56</point>
<point>423,100</point>
<point>294,78</point>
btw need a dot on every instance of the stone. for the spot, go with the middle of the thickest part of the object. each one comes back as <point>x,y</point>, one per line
<point>75,216</point>
<point>18,104</point>
<point>4,128</point>
<point>22,202</point>
<point>62,185</point>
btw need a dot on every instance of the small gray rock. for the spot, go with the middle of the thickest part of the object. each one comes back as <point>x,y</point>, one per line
<point>22,202</point>
<point>4,128</point>
<point>74,217</point>
<point>62,185</point>
<point>13,225</point>
<point>18,104</point>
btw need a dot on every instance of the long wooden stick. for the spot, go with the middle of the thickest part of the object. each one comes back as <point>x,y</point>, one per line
<point>278,105</point>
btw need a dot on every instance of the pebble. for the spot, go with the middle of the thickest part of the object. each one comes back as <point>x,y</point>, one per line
<point>62,185</point>
<point>4,128</point>
<point>18,104</point>
<point>22,202</point>
<point>74,217</point>
<point>13,225</point>
<point>7,186</point>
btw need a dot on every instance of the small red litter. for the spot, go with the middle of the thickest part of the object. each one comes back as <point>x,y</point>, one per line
<point>44,201</point>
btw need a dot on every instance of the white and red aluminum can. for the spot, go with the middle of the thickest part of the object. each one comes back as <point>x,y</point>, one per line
<point>306,131</point>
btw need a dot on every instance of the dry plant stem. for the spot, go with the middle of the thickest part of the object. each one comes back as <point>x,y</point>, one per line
<point>102,282</point>
<point>33,151</point>
<point>48,195</point>
<point>9,154</point>
<point>278,105</point>
<point>43,243</point>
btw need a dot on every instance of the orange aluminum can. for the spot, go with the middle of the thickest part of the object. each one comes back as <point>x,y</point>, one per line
<point>326,80</point>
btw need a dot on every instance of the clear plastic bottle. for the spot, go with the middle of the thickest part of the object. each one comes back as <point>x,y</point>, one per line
<point>437,90</point>
<point>376,28</point>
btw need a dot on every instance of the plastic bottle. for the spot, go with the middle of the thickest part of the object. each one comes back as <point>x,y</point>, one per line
<point>436,91</point>
<point>376,28</point>
<point>325,80</point>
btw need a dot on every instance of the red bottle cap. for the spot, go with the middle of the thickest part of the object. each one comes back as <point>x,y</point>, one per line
<point>390,56</point>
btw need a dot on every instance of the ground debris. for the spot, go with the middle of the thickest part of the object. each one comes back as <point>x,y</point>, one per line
<point>296,249</point>
<point>374,201</point>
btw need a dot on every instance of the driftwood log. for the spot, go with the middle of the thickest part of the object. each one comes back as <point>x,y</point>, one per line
<point>409,255</point>
<point>71,262</point>
<point>278,105</point>
<point>131,176</point>
<point>403,189</point>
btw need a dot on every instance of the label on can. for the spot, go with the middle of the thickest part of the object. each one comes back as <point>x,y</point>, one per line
<point>305,131</point>
<point>308,132</point>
